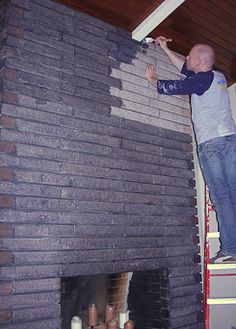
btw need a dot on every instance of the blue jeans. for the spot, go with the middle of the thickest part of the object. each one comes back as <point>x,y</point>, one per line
<point>218,164</point>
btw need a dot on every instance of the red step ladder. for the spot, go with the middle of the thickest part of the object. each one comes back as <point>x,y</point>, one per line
<point>208,267</point>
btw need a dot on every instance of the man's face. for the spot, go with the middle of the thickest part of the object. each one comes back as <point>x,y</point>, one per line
<point>193,60</point>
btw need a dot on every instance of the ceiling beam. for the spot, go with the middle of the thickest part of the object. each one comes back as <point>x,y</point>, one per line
<point>155,18</point>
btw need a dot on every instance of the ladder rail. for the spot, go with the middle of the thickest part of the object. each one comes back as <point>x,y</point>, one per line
<point>208,301</point>
<point>206,261</point>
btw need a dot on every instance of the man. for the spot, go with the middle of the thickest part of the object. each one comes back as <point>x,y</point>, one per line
<point>215,132</point>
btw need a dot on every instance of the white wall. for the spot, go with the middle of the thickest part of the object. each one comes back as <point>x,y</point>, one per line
<point>232,95</point>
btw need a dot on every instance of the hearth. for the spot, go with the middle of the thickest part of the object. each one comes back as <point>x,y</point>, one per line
<point>141,296</point>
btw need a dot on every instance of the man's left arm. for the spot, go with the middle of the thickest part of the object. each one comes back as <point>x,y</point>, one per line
<point>197,83</point>
<point>194,83</point>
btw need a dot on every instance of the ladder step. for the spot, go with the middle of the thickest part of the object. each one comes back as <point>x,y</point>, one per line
<point>221,301</point>
<point>213,234</point>
<point>221,266</point>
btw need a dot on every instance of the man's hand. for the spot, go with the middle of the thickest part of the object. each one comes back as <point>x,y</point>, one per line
<point>151,75</point>
<point>175,59</point>
<point>162,41</point>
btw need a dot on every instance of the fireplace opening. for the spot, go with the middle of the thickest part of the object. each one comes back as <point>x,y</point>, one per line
<point>139,296</point>
<point>80,292</point>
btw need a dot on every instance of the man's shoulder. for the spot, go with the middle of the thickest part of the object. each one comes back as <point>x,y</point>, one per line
<point>204,75</point>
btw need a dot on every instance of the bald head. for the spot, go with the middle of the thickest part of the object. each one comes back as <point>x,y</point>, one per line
<point>206,53</point>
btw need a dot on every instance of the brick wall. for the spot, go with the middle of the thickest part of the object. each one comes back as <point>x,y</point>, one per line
<point>140,101</point>
<point>92,179</point>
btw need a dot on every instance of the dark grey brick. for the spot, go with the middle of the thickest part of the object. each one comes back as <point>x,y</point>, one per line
<point>95,39</point>
<point>185,320</point>
<point>149,158</point>
<point>67,231</point>
<point>121,40</point>
<point>91,57</point>
<point>125,34</point>
<point>93,21</point>
<point>43,324</point>
<point>177,172</point>
<point>110,196</point>
<point>81,24</point>
<point>170,242</point>
<point>178,312</point>
<point>64,243</point>
<point>36,271</point>
<point>169,262</point>
<point>69,150</point>
<point>30,189</point>
<point>30,90</point>
<point>43,39</point>
<point>45,231</point>
<point>62,23</point>
<point>152,130</point>
<point>55,217</point>
<point>195,326</point>
<point>86,170</point>
<point>178,211</point>
<point>30,56</point>
<point>56,7</point>
<point>84,44</point>
<point>135,265</point>
<point>137,253</point>
<point>40,29</point>
<point>141,147</point>
<point>83,103</point>
<point>26,66</point>
<point>181,281</point>
<point>29,138</point>
<point>65,257</point>
<point>148,210</point>
<point>77,82</point>
<point>147,137</point>
<point>21,300</point>
<point>177,302</point>
<point>185,290</point>
<point>99,97</point>
<point>14,42</point>
<point>182,271</point>
<point>37,313</point>
<point>170,153</point>
<point>154,149</point>
<point>29,163</point>
<point>86,268</point>
<point>65,17</point>
<point>42,49</point>
<point>182,250</point>
<point>84,124</point>
<point>94,78</point>
<point>98,118</point>
<point>158,231</point>
<point>39,285</point>
<point>23,4</point>
<point>179,191</point>
<point>70,180</point>
<point>38,80</point>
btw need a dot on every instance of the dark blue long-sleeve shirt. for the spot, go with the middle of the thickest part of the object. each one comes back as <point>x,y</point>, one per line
<point>194,83</point>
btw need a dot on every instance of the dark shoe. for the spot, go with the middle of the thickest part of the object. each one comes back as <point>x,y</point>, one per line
<point>222,258</point>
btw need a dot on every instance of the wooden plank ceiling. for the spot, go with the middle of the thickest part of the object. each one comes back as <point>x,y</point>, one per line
<point>195,21</point>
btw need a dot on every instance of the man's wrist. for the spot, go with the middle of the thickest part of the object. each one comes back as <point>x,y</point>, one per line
<point>153,81</point>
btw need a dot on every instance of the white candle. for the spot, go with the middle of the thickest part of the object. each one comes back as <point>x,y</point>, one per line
<point>76,322</point>
<point>123,317</point>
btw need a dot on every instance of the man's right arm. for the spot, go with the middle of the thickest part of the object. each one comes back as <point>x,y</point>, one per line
<point>175,59</point>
